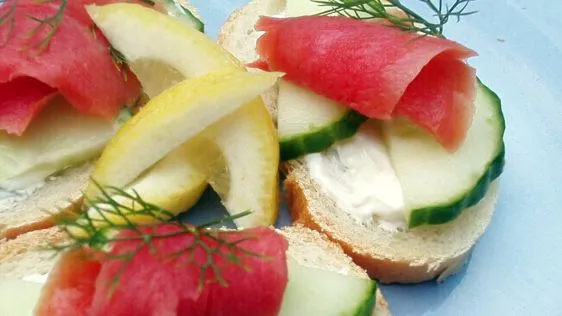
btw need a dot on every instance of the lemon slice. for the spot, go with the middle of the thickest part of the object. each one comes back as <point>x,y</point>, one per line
<point>154,186</point>
<point>252,184</point>
<point>171,119</point>
<point>251,152</point>
<point>169,184</point>
<point>162,51</point>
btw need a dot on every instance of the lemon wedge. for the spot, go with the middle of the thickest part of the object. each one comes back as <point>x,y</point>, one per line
<point>160,49</point>
<point>171,119</point>
<point>162,52</point>
<point>187,185</point>
<point>155,185</point>
<point>251,179</point>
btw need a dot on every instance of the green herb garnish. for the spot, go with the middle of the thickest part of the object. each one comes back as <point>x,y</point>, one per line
<point>398,14</point>
<point>97,228</point>
<point>8,19</point>
<point>119,61</point>
<point>52,23</point>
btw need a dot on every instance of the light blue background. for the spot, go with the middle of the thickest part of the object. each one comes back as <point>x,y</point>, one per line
<point>516,268</point>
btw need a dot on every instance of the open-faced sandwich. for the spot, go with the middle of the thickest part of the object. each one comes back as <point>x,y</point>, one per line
<point>64,92</point>
<point>391,144</point>
<point>175,269</point>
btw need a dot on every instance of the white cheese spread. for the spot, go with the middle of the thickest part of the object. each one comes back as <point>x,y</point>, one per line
<point>36,277</point>
<point>358,175</point>
<point>9,198</point>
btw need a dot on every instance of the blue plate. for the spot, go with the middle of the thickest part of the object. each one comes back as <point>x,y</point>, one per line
<point>516,268</point>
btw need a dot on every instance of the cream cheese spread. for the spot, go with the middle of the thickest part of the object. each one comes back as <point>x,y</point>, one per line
<point>9,198</point>
<point>358,175</point>
<point>36,277</point>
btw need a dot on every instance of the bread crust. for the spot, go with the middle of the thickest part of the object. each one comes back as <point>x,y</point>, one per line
<point>228,26</point>
<point>385,270</point>
<point>59,196</point>
<point>12,232</point>
<point>300,234</point>
<point>26,254</point>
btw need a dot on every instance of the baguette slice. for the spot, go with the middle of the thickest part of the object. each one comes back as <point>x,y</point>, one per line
<point>238,36</point>
<point>392,257</point>
<point>25,255</point>
<point>20,258</point>
<point>39,209</point>
<point>411,256</point>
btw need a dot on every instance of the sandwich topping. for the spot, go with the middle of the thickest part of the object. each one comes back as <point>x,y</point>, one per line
<point>358,175</point>
<point>46,46</point>
<point>185,269</point>
<point>9,197</point>
<point>212,125</point>
<point>378,71</point>
<point>36,277</point>
<point>442,129</point>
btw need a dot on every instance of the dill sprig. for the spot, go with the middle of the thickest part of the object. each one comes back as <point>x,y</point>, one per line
<point>119,61</point>
<point>399,15</point>
<point>8,18</point>
<point>51,23</point>
<point>115,211</point>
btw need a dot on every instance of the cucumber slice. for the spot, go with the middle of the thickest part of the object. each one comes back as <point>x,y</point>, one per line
<point>179,11</point>
<point>310,123</point>
<point>438,185</point>
<point>312,292</point>
<point>58,138</point>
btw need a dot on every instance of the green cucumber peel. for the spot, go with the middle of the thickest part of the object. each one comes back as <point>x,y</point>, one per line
<point>321,139</point>
<point>436,215</point>
<point>177,10</point>
<point>367,308</point>
<point>441,214</point>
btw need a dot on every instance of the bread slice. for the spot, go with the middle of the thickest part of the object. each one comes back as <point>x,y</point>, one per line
<point>401,256</point>
<point>39,208</point>
<point>313,249</point>
<point>411,256</point>
<point>25,255</point>
<point>21,256</point>
<point>238,36</point>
